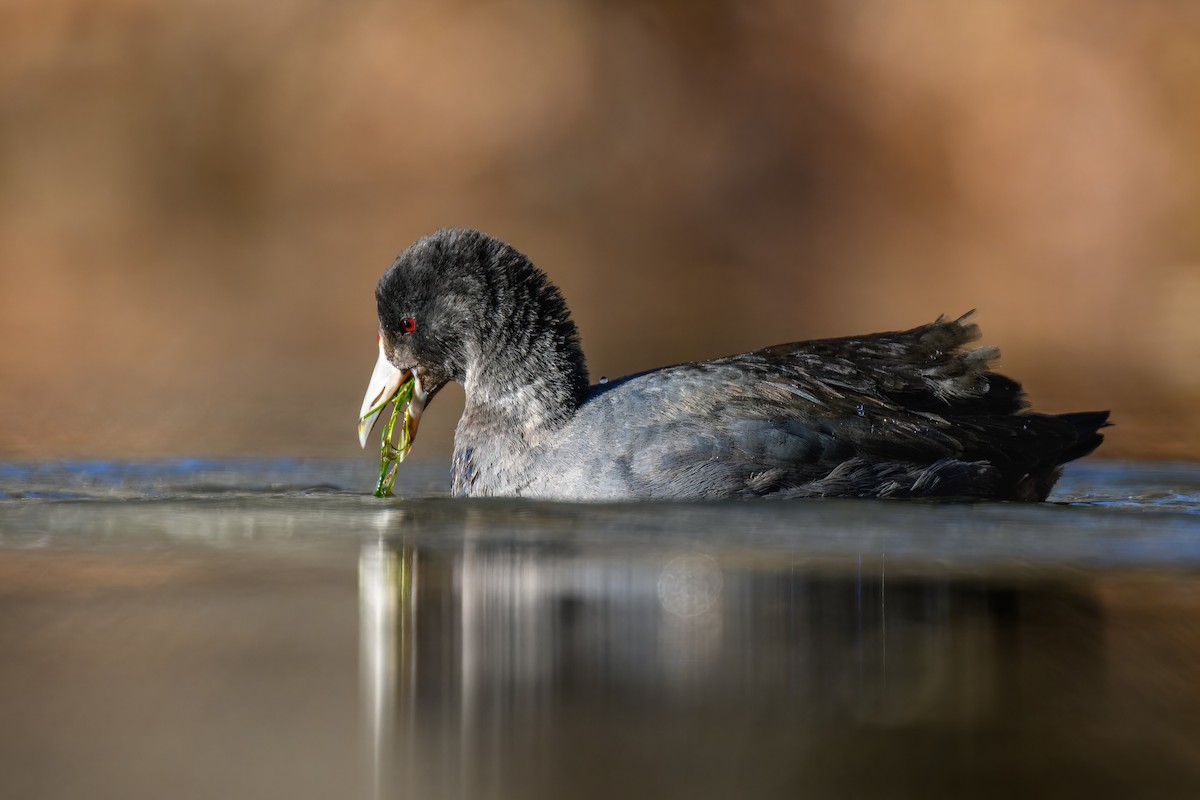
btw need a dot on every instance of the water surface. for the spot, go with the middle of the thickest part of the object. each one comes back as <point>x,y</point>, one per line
<point>267,629</point>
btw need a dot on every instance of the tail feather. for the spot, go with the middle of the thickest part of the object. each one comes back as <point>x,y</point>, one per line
<point>1087,425</point>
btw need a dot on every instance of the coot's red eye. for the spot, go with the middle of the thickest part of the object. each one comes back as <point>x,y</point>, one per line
<point>408,325</point>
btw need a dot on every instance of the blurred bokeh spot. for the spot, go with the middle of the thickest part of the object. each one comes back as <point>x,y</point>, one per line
<point>196,198</point>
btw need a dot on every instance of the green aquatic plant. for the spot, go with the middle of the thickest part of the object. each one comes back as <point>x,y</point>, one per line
<point>391,454</point>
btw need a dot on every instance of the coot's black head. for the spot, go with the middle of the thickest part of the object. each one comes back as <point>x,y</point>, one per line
<point>435,300</point>
<point>461,305</point>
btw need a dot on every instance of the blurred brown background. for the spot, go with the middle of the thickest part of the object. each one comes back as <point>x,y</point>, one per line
<point>196,198</point>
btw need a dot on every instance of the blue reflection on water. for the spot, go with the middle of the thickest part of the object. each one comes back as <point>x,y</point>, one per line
<point>1115,484</point>
<point>1102,514</point>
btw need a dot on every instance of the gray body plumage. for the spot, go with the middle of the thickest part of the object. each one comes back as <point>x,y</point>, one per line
<point>905,414</point>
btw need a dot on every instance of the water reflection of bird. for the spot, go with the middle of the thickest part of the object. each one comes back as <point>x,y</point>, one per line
<point>905,414</point>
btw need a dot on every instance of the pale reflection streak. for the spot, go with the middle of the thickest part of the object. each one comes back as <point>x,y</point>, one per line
<point>689,595</point>
<point>387,613</point>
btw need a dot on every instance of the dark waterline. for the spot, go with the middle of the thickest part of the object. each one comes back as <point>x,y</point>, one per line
<point>266,628</point>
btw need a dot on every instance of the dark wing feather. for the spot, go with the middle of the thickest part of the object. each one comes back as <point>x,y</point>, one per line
<point>908,413</point>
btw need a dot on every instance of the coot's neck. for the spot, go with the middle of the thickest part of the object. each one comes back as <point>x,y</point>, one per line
<point>528,375</point>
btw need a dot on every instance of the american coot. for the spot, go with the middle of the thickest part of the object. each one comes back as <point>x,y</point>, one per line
<point>905,414</point>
